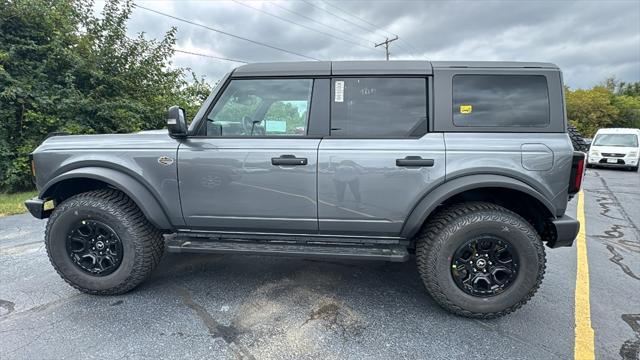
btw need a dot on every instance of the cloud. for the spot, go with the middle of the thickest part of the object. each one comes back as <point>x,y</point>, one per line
<point>589,40</point>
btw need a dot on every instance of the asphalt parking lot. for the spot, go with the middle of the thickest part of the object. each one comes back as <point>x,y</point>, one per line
<point>267,307</point>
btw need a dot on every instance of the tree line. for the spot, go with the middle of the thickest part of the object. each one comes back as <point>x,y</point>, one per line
<point>62,69</point>
<point>611,103</point>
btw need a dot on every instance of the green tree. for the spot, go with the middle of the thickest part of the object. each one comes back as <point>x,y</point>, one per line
<point>62,69</point>
<point>628,111</point>
<point>589,110</point>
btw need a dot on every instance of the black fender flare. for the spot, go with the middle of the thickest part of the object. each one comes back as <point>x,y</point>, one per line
<point>453,187</point>
<point>139,193</point>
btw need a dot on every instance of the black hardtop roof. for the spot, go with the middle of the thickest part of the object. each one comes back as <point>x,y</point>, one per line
<point>371,67</point>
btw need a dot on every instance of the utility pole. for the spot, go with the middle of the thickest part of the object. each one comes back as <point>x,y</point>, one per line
<point>386,45</point>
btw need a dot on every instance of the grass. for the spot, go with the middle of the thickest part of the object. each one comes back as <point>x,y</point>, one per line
<point>14,203</point>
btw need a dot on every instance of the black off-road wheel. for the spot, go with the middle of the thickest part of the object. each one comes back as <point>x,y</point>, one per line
<point>480,260</point>
<point>101,243</point>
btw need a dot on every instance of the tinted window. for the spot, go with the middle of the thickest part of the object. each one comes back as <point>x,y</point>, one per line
<point>500,100</point>
<point>261,107</point>
<point>378,107</point>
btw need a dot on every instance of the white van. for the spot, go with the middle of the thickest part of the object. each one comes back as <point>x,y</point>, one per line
<point>615,148</point>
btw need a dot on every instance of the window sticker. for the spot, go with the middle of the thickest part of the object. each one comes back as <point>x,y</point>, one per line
<point>466,109</point>
<point>339,91</point>
<point>276,126</point>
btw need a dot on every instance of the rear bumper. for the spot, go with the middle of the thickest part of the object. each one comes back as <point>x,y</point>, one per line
<point>565,230</point>
<point>36,208</point>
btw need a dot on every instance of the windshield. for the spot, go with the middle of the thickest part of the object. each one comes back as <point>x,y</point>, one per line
<point>622,140</point>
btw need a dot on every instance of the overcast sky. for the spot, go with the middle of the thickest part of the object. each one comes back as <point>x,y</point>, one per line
<point>589,40</point>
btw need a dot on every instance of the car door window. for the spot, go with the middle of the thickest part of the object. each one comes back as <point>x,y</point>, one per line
<point>379,107</point>
<point>265,107</point>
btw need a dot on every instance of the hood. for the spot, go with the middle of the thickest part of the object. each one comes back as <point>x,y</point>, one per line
<point>614,149</point>
<point>154,139</point>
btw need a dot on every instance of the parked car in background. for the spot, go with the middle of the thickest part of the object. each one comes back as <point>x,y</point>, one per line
<point>615,148</point>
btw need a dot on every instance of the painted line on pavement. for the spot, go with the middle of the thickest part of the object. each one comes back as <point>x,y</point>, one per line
<point>584,348</point>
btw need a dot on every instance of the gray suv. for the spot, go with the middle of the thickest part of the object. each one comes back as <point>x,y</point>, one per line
<point>466,165</point>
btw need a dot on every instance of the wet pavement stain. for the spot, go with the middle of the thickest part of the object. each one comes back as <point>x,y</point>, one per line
<point>337,318</point>
<point>228,333</point>
<point>6,307</point>
<point>630,350</point>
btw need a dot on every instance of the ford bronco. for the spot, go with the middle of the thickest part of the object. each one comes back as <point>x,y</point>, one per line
<point>465,166</point>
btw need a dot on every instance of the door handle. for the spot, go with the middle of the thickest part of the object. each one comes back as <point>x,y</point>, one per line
<point>414,161</point>
<point>288,160</point>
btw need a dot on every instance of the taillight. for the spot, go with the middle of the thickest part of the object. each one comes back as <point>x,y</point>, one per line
<point>577,172</point>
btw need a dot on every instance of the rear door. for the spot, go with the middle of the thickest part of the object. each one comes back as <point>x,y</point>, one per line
<point>379,159</point>
<point>255,169</point>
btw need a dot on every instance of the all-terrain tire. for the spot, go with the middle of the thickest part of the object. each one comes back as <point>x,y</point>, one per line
<point>142,243</point>
<point>577,140</point>
<point>453,226</point>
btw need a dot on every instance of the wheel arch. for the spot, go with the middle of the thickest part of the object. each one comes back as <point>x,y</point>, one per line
<point>92,178</point>
<point>501,190</point>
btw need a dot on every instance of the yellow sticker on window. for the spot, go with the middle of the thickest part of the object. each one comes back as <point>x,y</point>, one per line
<point>466,109</point>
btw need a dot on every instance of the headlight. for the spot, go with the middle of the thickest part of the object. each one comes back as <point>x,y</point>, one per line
<point>595,153</point>
<point>633,154</point>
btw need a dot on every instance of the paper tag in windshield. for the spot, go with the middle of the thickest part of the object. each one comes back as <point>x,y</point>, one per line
<point>339,91</point>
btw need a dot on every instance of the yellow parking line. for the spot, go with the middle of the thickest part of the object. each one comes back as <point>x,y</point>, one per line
<point>584,343</point>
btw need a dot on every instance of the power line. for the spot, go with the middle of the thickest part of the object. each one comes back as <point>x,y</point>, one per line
<point>336,15</point>
<point>301,25</point>
<point>196,54</point>
<point>225,33</point>
<point>359,18</point>
<point>209,56</point>
<point>376,27</point>
<point>317,22</point>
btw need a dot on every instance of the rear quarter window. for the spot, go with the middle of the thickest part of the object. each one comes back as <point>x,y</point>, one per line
<point>500,101</point>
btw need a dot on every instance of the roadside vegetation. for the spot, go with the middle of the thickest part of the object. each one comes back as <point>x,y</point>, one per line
<point>62,69</point>
<point>609,104</point>
<point>14,203</point>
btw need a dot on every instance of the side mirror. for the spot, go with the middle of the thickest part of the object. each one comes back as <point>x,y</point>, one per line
<point>176,122</point>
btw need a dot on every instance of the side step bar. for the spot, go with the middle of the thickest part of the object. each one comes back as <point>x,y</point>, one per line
<point>395,253</point>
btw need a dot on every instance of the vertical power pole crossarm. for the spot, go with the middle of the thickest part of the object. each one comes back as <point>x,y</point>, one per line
<point>386,45</point>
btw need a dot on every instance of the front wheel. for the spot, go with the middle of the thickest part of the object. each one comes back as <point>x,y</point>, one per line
<point>100,242</point>
<point>480,260</point>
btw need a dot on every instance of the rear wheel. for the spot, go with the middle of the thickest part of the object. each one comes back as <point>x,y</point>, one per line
<point>480,260</point>
<point>101,243</point>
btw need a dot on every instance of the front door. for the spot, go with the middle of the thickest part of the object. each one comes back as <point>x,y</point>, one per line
<point>379,160</point>
<point>255,170</point>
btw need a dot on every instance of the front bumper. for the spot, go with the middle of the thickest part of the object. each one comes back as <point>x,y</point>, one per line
<point>563,232</point>
<point>619,161</point>
<point>36,208</point>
